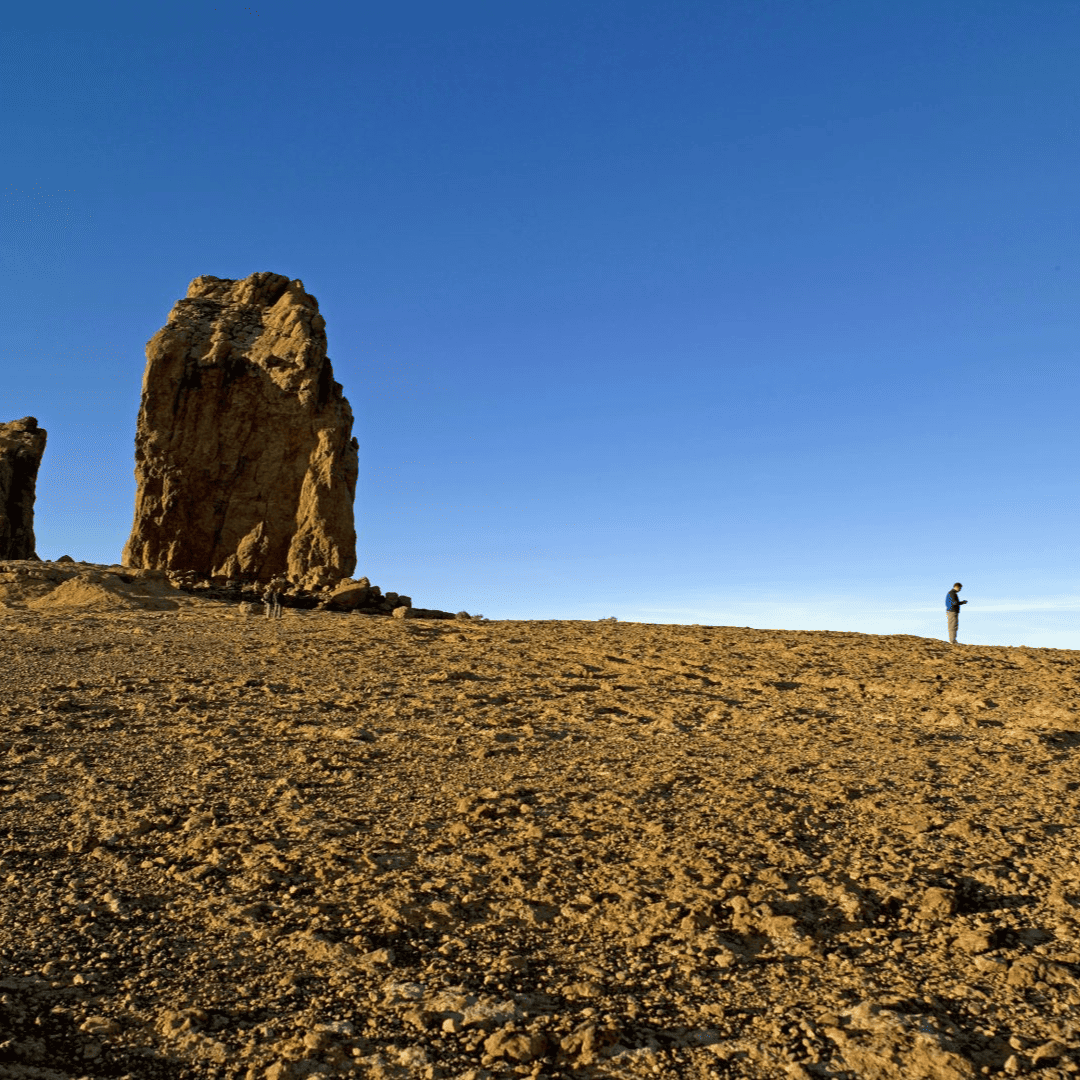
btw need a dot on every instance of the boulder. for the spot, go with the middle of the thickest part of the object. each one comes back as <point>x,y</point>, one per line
<point>348,597</point>
<point>244,456</point>
<point>22,443</point>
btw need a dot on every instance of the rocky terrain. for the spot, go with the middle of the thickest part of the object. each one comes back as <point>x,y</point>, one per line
<point>244,456</point>
<point>22,443</point>
<point>65,584</point>
<point>346,845</point>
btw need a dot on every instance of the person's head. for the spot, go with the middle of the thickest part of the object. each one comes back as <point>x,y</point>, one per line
<point>958,586</point>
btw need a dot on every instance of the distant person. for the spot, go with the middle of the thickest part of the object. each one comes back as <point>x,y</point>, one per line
<point>952,610</point>
<point>272,598</point>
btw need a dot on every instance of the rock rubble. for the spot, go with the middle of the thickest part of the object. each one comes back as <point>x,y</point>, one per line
<point>69,584</point>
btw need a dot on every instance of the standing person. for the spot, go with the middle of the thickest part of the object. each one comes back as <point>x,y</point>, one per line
<point>272,598</point>
<point>952,610</point>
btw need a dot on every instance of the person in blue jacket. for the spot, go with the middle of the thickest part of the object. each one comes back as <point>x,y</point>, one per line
<point>952,610</point>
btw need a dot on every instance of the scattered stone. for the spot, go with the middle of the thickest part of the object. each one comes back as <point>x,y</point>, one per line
<point>974,941</point>
<point>1024,972</point>
<point>515,1045</point>
<point>376,958</point>
<point>1048,1053</point>
<point>937,904</point>
<point>99,1025</point>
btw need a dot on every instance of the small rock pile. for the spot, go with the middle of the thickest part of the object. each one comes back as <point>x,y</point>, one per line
<point>353,595</point>
<point>38,585</point>
<point>65,583</point>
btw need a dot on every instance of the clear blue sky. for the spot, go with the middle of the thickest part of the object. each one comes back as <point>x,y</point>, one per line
<point>754,312</point>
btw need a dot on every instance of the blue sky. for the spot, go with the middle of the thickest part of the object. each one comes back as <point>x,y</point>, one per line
<point>754,313</point>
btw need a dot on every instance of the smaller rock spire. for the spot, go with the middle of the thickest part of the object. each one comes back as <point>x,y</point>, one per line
<point>22,443</point>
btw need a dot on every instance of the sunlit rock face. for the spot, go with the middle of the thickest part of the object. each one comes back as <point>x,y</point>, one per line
<point>244,456</point>
<point>22,443</point>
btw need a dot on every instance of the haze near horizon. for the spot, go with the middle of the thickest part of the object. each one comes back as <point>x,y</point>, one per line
<point>744,314</point>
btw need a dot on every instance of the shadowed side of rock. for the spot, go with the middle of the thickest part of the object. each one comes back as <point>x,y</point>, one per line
<point>245,461</point>
<point>22,443</point>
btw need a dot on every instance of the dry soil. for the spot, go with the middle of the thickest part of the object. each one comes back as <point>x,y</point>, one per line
<point>355,846</point>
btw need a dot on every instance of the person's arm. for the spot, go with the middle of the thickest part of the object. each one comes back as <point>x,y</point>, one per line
<point>962,601</point>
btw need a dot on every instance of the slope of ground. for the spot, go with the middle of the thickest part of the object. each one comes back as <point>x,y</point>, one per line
<point>351,846</point>
<point>65,585</point>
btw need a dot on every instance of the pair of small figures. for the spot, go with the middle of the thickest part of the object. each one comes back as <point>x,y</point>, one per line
<point>272,598</point>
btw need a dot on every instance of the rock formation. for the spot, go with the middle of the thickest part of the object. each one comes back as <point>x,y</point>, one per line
<point>244,455</point>
<point>22,443</point>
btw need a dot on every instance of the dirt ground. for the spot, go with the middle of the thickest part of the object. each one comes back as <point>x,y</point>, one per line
<point>345,845</point>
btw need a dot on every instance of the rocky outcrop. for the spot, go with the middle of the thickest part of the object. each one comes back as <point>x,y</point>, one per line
<point>55,586</point>
<point>65,583</point>
<point>244,455</point>
<point>22,443</point>
<point>358,597</point>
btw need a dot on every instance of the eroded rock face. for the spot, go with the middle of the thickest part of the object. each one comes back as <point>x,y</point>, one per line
<point>22,443</point>
<point>244,455</point>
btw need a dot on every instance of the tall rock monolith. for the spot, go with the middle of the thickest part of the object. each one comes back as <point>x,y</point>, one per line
<point>22,443</point>
<point>244,456</point>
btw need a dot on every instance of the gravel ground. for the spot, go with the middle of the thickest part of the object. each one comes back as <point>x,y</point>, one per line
<point>344,845</point>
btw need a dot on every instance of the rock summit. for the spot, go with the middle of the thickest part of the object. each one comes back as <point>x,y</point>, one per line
<point>22,443</point>
<point>244,456</point>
